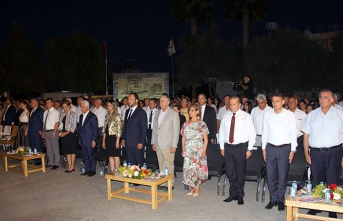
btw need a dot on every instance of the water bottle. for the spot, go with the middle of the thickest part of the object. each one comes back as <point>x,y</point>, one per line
<point>82,168</point>
<point>124,163</point>
<point>30,151</point>
<point>327,196</point>
<point>129,164</point>
<point>309,187</point>
<point>322,183</point>
<point>35,150</point>
<point>293,190</point>
<point>144,166</point>
<point>295,185</point>
<point>101,171</point>
<point>166,170</point>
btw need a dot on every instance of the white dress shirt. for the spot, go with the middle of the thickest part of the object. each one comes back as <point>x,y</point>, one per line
<point>84,117</point>
<point>257,118</point>
<point>222,111</point>
<point>244,129</point>
<point>325,129</point>
<point>78,113</point>
<point>279,129</point>
<point>152,118</point>
<point>123,109</point>
<point>119,110</point>
<point>101,115</point>
<point>203,111</point>
<point>338,107</point>
<point>300,117</point>
<point>73,108</point>
<point>53,117</point>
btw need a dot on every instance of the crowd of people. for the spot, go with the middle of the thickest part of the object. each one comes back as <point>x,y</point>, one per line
<point>280,125</point>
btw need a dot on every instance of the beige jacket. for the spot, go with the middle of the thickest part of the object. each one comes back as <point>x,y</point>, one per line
<point>167,134</point>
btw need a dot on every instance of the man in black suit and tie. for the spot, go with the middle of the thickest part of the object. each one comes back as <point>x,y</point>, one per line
<point>208,115</point>
<point>87,130</point>
<point>134,132</point>
<point>36,127</point>
<point>8,116</point>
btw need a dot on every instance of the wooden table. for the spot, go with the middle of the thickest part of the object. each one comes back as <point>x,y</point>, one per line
<point>153,184</point>
<point>24,164</point>
<point>293,209</point>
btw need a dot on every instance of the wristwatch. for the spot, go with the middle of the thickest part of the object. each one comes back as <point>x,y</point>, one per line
<point>53,133</point>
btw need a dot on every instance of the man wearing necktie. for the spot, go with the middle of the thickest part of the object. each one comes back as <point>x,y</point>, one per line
<point>36,127</point>
<point>151,157</point>
<point>236,139</point>
<point>134,132</point>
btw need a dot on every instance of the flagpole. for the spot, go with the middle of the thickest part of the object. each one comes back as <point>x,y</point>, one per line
<point>106,64</point>
<point>173,73</point>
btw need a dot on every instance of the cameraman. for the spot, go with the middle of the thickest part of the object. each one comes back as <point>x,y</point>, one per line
<point>248,88</point>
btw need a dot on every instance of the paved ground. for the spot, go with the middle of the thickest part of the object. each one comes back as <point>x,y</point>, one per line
<point>55,195</point>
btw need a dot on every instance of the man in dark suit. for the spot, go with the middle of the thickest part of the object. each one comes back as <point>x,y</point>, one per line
<point>18,112</point>
<point>87,130</point>
<point>36,127</point>
<point>8,116</point>
<point>134,132</point>
<point>208,115</point>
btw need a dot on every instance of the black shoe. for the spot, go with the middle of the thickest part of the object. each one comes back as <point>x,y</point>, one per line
<point>231,198</point>
<point>91,174</point>
<point>161,187</point>
<point>68,171</point>
<point>333,215</point>
<point>313,212</point>
<point>54,167</point>
<point>281,206</point>
<point>270,205</point>
<point>166,189</point>
<point>240,201</point>
<point>48,165</point>
<point>37,163</point>
<point>84,174</point>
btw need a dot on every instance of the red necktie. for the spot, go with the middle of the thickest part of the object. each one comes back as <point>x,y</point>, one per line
<point>232,128</point>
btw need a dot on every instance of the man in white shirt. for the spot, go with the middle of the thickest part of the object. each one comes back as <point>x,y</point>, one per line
<point>222,111</point>
<point>279,143</point>
<point>323,134</point>
<point>123,108</point>
<point>146,105</point>
<point>334,102</point>
<point>150,154</point>
<point>51,120</point>
<point>300,117</point>
<point>100,113</point>
<point>78,109</point>
<point>257,114</point>
<point>236,139</point>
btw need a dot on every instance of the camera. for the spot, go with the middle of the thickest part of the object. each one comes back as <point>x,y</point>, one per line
<point>237,86</point>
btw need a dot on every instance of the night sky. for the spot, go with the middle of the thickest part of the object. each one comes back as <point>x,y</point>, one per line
<point>141,29</point>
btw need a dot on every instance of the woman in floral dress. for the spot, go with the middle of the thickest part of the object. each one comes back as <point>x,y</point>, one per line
<point>194,144</point>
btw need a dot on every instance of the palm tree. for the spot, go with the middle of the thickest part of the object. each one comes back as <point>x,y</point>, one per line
<point>245,11</point>
<point>193,11</point>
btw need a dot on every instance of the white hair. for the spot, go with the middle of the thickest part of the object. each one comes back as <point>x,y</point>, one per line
<point>68,99</point>
<point>261,97</point>
<point>85,102</point>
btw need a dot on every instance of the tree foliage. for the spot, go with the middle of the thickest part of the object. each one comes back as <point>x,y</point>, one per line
<point>21,67</point>
<point>245,11</point>
<point>77,60</point>
<point>286,60</point>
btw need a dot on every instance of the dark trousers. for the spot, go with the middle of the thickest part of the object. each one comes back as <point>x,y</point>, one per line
<point>300,141</point>
<point>277,162</point>
<point>36,141</point>
<point>135,156</point>
<point>235,162</point>
<point>326,166</point>
<point>150,154</point>
<point>88,155</point>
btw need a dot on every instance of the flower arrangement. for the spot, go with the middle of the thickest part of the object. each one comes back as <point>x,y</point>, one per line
<point>134,172</point>
<point>22,151</point>
<point>336,192</point>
